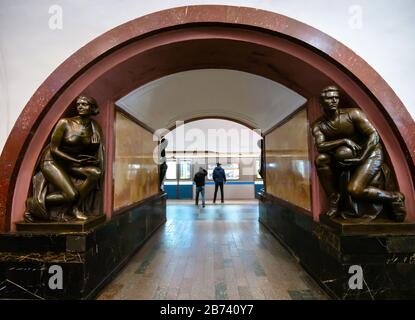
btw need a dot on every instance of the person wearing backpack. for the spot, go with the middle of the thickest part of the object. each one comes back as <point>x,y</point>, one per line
<point>199,180</point>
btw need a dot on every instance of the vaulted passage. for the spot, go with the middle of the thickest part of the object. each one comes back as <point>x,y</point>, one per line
<point>219,252</point>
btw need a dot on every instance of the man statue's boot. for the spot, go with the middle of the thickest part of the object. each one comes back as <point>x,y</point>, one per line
<point>326,178</point>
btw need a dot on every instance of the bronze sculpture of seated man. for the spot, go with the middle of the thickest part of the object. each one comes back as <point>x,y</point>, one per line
<point>70,168</point>
<point>163,165</point>
<point>351,164</point>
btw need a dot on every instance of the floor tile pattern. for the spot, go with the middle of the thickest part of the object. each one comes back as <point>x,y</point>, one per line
<point>218,252</point>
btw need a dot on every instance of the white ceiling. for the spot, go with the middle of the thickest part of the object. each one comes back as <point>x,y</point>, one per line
<point>251,99</point>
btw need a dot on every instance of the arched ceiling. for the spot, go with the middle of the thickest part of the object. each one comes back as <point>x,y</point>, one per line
<point>244,97</point>
<point>215,136</point>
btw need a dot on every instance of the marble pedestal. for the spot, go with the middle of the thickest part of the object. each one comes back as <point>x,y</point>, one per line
<point>331,249</point>
<point>383,250</point>
<point>88,257</point>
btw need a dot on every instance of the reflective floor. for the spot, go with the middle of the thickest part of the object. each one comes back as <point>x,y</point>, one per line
<point>218,252</point>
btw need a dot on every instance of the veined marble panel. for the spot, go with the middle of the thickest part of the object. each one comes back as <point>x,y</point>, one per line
<point>288,163</point>
<point>136,174</point>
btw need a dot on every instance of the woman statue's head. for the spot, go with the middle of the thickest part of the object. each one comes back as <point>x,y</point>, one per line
<point>86,105</point>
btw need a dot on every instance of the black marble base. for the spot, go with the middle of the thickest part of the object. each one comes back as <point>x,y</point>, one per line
<point>328,250</point>
<point>88,259</point>
<point>56,227</point>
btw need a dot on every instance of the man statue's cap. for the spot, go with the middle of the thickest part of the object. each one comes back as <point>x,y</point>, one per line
<point>329,89</point>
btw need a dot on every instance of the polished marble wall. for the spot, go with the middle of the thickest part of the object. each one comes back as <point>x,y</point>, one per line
<point>136,174</point>
<point>287,161</point>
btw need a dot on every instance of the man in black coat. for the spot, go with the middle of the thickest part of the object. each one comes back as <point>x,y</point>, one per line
<point>219,177</point>
<point>199,180</point>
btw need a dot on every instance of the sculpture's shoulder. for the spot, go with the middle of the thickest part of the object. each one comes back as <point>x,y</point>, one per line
<point>352,113</point>
<point>316,123</point>
<point>61,125</point>
<point>63,121</point>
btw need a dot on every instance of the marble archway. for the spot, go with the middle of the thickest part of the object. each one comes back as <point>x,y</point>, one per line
<point>196,37</point>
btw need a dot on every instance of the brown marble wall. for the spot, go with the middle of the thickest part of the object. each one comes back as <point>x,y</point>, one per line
<point>135,172</point>
<point>287,161</point>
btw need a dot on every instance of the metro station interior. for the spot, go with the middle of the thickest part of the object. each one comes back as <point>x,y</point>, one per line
<point>97,179</point>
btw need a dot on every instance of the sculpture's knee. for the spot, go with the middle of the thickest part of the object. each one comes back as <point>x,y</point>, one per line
<point>355,190</point>
<point>71,196</point>
<point>323,160</point>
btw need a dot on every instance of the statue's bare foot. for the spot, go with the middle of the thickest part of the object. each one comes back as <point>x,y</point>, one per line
<point>79,214</point>
<point>333,205</point>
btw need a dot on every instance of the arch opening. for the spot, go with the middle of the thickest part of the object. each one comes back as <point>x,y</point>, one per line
<point>149,48</point>
<point>203,143</point>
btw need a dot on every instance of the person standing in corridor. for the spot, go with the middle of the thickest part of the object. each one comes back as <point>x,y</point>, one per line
<point>219,177</point>
<point>199,180</point>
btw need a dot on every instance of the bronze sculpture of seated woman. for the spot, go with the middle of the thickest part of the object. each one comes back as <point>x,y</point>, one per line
<point>67,182</point>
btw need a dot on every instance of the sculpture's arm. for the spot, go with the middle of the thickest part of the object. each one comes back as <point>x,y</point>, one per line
<point>366,129</point>
<point>56,139</point>
<point>323,146</point>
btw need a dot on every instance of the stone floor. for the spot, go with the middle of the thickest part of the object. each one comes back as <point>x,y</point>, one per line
<point>218,252</point>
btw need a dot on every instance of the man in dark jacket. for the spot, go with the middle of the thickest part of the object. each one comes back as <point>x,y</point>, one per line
<point>219,177</point>
<point>199,180</point>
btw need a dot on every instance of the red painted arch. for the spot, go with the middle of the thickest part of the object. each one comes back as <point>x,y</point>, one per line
<point>197,37</point>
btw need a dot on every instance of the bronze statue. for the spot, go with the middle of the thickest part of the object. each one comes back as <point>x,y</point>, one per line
<point>351,164</point>
<point>67,182</point>
<point>261,170</point>
<point>163,165</point>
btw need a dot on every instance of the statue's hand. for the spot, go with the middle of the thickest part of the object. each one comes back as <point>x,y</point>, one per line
<point>354,146</point>
<point>85,159</point>
<point>353,161</point>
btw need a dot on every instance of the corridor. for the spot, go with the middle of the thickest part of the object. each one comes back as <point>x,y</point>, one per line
<point>219,252</point>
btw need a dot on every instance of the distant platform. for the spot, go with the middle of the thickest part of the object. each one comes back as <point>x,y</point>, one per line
<point>209,202</point>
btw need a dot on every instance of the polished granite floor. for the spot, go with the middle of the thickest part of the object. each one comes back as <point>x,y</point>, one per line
<point>218,252</point>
